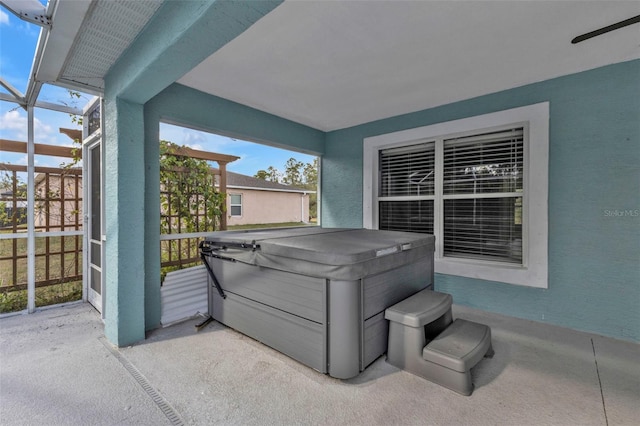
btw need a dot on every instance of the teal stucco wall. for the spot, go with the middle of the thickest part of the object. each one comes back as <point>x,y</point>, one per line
<point>182,105</point>
<point>124,292</point>
<point>169,46</point>
<point>594,199</point>
<point>594,195</point>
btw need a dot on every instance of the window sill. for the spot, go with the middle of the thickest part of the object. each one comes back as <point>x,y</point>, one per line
<point>530,276</point>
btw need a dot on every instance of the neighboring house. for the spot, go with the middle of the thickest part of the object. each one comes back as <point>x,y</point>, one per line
<point>256,201</point>
<point>249,200</point>
<point>9,207</point>
<point>58,200</point>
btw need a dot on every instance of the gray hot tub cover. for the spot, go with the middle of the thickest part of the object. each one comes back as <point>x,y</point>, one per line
<point>332,253</point>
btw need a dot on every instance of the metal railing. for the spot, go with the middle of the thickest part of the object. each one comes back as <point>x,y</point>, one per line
<point>58,226</point>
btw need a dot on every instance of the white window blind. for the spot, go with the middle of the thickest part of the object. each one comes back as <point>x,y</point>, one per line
<point>482,196</point>
<point>410,216</point>
<point>480,199</point>
<point>407,171</point>
<point>406,188</point>
<point>486,163</point>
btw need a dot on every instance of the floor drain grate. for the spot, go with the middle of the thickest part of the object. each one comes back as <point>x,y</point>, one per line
<point>164,406</point>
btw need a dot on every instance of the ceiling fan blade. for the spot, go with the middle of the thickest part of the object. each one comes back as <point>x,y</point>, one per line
<point>603,30</point>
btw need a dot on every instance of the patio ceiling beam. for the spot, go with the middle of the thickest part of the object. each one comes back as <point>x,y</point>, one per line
<point>15,94</point>
<point>54,43</point>
<point>39,104</point>
<point>58,107</point>
<point>29,10</point>
<point>179,37</point>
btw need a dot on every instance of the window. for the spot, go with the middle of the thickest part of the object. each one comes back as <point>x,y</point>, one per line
<point>478,184</point>
<point>236,204</point>
<point>406,192</point>
<point>481,193</point>
<point>93,122</point>
<point>482,196</point>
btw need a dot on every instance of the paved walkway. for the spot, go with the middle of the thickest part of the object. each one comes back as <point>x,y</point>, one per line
<point>57,369</point>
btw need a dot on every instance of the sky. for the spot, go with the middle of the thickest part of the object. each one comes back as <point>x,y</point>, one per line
<point>18,40</point>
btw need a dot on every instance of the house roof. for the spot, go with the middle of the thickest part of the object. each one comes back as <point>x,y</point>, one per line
<point>331,65</point>
<point>238,181</point>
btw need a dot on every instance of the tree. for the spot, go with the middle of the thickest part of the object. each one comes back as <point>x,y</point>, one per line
<point>271,174</point>
<point>310,174</point>
<point>15,190</point>
<point>292,175</point>
<point>76,149</point>
<point>189,200</point>
<point>261,174</point>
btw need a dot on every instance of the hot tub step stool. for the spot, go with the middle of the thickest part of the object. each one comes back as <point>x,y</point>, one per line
<point>453,347</point>
<point>455,351</point>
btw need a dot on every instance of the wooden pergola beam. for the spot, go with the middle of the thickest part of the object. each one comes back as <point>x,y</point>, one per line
<point>63,151</point>
<point>40,149</point>
<point>40,169</point>
<point>203,155</point>
<point>74,134</point>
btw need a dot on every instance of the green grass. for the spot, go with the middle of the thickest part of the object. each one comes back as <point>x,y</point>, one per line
<point>55,259</point>
<point>60,293</point>
<point>13,301</point>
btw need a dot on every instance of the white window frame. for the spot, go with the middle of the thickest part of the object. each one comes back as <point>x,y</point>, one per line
<point>231,205</point>
<point>534,270</point>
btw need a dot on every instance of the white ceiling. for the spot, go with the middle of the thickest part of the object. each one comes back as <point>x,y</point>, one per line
<point>330,64</point>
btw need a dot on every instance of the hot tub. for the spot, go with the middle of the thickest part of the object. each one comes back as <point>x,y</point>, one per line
<point>316,294</point>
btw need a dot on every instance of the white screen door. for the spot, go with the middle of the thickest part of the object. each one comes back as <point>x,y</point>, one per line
<point>93,204</point>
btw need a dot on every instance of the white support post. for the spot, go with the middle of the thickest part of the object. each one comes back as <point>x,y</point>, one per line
<point>85,213</point>
<point>31,230</point>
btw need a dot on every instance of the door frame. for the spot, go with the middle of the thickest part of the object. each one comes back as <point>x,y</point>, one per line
<point>89,143</point>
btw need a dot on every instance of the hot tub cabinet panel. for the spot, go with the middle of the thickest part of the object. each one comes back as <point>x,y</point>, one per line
<point>375,334</point>
<point>297,337</point>
<point>296,294</point>
<point>396,284</point>
<point>317,295</point>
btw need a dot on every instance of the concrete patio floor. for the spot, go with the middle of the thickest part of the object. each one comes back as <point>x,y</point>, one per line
<point>57,368</point>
